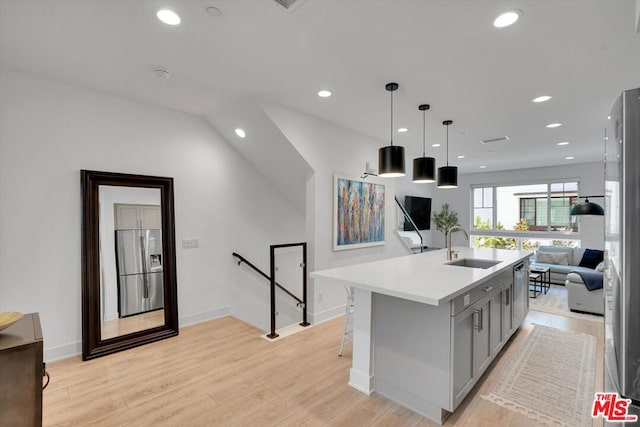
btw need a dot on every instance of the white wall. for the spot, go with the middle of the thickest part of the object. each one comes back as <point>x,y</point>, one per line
<point>49,131</point>
<point>589,175</point>
<point>329,149</point>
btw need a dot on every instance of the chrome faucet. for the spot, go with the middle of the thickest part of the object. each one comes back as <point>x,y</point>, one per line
<point>449,233</point>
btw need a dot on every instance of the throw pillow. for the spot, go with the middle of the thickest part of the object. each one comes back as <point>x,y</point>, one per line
<point>600,267</point>
<point>559,258</point>
<point>591,258</point>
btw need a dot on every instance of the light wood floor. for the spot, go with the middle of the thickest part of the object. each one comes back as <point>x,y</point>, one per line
<point>222,373</point>
<point>127,325</point>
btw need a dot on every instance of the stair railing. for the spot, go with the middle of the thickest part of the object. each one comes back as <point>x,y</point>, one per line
<point>413,225</point>
<point>302,303</point>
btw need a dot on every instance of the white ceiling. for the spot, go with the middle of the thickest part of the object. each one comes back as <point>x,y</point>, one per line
<point>442,52</point>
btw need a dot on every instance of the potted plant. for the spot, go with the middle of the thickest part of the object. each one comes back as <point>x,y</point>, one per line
<point>445,219</point>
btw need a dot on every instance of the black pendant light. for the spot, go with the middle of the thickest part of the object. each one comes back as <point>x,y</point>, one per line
<point>447,175</point>
<point>424,168</point>
<point>391,157</point>
<point>587,208</point>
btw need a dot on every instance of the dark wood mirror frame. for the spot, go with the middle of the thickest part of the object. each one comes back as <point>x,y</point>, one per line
<point>92,344</point>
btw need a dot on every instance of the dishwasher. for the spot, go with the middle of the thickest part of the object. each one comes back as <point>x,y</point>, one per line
<point>520,291</point>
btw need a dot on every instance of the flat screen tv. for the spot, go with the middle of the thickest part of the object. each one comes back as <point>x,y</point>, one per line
<point>419,208</point>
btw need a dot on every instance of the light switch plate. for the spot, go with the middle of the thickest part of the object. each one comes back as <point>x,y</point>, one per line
<point>190,243</point>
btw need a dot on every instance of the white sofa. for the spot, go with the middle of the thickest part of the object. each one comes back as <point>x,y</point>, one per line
<point>559,272</point>
<point>581,299</point>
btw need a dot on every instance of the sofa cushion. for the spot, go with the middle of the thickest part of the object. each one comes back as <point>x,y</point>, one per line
<point>591,258</point>
<point>600,267</point>
<point>562,269</point>
<point>559,249</point>
<point>559,258</point>
<point>577,256</point>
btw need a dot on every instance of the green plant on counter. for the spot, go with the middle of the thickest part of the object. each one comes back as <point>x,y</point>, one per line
<point>445,219</point>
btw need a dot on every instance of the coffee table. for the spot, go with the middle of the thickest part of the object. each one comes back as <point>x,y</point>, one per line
<point>545,276</point>
<point>535,279</point>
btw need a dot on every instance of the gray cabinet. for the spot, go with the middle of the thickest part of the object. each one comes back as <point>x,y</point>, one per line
<point>131,217</point>
<point>21,371</point>
<point>502,322</point>
<point>463,354</point>
<point>471,338</point>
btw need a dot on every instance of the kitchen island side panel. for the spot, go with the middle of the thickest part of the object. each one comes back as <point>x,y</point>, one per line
<point>412,349</point>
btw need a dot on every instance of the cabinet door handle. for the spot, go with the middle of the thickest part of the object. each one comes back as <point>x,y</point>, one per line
<point>478,320</point>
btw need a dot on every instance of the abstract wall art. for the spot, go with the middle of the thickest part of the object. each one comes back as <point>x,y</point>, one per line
<point>358,213</point>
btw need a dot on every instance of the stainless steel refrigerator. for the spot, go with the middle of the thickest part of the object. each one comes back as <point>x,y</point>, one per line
<point>139,265</point>
<point>622,247</point>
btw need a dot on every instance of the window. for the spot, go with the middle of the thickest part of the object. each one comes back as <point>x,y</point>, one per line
<point>483,205</point>
<point>522,208</point>
<point>534,212</point>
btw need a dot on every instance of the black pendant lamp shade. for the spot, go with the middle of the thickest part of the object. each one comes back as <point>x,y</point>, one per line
<point>391,157</point>
<point>447,175</point>
<point>424,168</point>
<point>587,208</point>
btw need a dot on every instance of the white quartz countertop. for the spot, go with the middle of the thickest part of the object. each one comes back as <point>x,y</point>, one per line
<point>422,277</point>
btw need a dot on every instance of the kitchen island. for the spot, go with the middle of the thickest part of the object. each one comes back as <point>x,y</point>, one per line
<point>425,329</point>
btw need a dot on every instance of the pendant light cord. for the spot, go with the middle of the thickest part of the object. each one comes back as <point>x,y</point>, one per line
<point>391,136</point>
<point>447,145</point>
<point>424,132</point>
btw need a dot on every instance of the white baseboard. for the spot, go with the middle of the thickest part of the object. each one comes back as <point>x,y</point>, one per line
<point>111,316</point>
<point>74,349</point>
<point>326,315</point>
<point>63,351</point>
<point>193,319</point>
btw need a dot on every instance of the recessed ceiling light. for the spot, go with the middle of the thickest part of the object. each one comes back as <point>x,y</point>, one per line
<point>163,74</point>
<point>169,17</point>
<point>460,156</point>
<point>324,93</point>
<point>435,145</point>
<point>213,11</point>
<point>553,125</point>
<point>403,130</point>
<point>507,18</point>
<point>563,143</point>
<point>569,158</point>
<point>240,133</point>
<point>483,167</point>
<point>543,98</point>
<point>608,117</point>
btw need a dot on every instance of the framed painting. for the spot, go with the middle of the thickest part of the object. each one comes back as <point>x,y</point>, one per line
<point>358,213</point>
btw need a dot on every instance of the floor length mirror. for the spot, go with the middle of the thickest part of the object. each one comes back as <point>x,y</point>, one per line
<point>129,279</point>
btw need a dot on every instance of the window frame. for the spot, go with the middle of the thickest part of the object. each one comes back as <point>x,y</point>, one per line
<point>534,234</point>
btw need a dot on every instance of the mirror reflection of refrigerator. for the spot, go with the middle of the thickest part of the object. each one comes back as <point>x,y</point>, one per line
<point>622,248</point>
<point>139,267</point>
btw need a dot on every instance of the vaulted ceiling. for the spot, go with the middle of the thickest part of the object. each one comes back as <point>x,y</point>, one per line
<point>443,52</point>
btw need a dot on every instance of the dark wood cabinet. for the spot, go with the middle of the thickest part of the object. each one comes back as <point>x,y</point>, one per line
<point>21,369</point>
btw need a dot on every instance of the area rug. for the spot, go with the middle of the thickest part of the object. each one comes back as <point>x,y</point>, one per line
<point>550,378</point>
<point>555,302</point>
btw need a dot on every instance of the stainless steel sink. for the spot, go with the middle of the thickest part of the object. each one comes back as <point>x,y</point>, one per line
<point>474,263</point>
